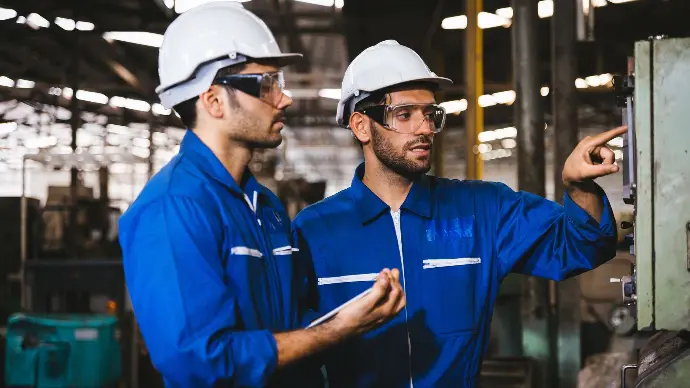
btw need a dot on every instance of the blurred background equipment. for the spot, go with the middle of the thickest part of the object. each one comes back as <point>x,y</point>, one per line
<point>655,291</point>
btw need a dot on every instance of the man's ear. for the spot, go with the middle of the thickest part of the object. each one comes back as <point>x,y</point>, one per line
<point>212,102</point>
<point>361,127</point>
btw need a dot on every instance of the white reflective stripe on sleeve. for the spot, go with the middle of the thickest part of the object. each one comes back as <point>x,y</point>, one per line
<point>246,251</point>
<point>365,277</point>
<point>286,250</point>
<point>437,263</point>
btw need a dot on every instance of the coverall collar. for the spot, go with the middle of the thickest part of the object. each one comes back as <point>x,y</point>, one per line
<point>370,206</point>
<point>202,156</point>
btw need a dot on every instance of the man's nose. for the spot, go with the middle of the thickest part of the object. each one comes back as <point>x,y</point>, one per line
<point>285,101</point>
<point>425,128</point>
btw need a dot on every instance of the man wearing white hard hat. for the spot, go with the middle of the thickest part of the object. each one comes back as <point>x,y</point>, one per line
<point>453,241</point>
<point>207,250</point>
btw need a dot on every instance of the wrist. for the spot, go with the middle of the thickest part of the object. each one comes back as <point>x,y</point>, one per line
<point>342,328</point>
<point>586,185</point>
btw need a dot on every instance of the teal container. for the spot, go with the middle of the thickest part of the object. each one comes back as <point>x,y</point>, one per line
<point>61,351</point>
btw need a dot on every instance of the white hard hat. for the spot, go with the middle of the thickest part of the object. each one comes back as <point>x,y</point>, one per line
<point>206,39</point>
<point>386,64</point>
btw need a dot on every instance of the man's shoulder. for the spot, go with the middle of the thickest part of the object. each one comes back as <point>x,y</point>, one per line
<point>329,209</point>
<point>179,178</point>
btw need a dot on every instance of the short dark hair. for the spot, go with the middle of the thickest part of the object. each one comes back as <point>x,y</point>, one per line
<point>187,109</point>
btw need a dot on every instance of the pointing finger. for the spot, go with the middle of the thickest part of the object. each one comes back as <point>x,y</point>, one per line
<point>607,136</point>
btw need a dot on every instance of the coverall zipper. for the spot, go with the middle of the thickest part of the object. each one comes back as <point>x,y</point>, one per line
<point>398,235</point>
<point>269,262</point>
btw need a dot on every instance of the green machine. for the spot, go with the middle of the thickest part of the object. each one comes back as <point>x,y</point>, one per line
<point>655,99</point>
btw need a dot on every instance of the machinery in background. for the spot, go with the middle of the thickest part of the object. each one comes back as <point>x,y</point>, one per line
<point>72,322</point>
<point>654,98</point>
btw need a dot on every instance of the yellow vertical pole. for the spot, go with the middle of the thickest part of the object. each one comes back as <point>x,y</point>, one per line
<point>474,87</point>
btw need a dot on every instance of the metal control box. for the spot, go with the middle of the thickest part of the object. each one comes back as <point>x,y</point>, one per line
<point>662,183</point>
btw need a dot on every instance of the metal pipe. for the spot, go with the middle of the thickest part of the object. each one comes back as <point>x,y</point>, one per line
<point>564,99</point>
<point>23,241</point>
<point>564,96</point>
<point>474,80</point>
<point>529,118</point>
<point>529,113</point>
<point>75,122</point>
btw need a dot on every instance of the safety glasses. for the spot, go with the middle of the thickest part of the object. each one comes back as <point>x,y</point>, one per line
<point>267,87</point>
<point>407,118</point>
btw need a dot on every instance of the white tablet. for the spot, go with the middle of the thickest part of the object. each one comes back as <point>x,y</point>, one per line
<point>337,309</point>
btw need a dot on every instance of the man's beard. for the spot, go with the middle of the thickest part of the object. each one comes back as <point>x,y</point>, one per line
<point>254,132</point>
<point>396,161</point>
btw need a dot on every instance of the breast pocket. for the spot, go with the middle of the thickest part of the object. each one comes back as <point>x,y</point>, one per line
<point>336,290</point>
<point>449,293</point>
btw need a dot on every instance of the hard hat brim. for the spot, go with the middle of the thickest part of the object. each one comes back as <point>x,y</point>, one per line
<point>286,59</point>
<point>439,81</point>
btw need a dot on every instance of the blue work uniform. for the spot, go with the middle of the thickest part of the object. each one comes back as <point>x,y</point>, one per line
<point>454,242</point>
<point>209,269</point>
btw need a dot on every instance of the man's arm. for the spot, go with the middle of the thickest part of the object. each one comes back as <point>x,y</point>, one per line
<point>541,238</point>
<point>538,237</point>
<point>187,310</point>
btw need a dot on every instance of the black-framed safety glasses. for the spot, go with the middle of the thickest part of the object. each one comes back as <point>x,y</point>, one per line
<point>267,87</point>
<point>407,118</point>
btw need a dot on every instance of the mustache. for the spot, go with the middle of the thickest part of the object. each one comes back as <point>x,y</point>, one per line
<point>279,117</point>
<point>422,140</point>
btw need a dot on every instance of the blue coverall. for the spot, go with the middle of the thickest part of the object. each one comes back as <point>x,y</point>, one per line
<point>209,269</point>
<point>454,242</point>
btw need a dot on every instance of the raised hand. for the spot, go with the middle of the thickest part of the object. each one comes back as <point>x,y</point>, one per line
<point>383,303</point>
<point>591,158</point>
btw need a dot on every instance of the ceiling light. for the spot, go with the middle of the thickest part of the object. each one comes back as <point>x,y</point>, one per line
<point>37,20</point>
<point>66,24</point>
<point>484,20</point>
<point>545,8</point>
<point>486,100</point>
<point>506,97</point>
<point>129,103</point>
<point>6,13</point>
<point>454,23</point>
<point>88,96</point>
<point>160,110</point>
<point>455,106</point>
<point>85,26</point>
<point>7,82</point>
<point>330,93</point>
<point>26,84</point>
<point>137,37</point>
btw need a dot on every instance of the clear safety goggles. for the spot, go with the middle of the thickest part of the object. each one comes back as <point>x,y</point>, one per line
<point>407,118</point>
<point>267,87</point>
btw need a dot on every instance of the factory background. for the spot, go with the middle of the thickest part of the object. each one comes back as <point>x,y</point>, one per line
<point>82,130</point>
